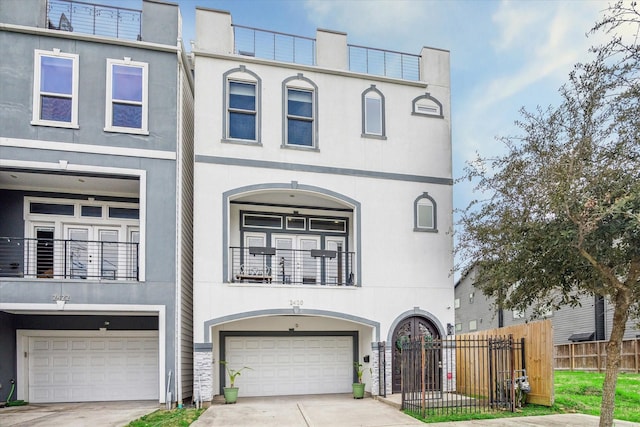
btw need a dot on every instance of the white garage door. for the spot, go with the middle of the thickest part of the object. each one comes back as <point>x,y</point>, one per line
<point>93,368</point>
<point>292,365</point>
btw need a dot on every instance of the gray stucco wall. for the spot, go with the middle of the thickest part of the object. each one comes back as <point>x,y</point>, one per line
<point>160,22</point>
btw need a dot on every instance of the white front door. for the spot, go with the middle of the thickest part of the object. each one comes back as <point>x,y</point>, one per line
<point>294,261</point>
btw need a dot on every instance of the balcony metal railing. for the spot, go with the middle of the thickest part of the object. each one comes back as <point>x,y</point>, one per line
<point>273,45</point>
<point>381,62</point>
<point>292,267</point>
<point>68,259</point>
<point>97,19</point>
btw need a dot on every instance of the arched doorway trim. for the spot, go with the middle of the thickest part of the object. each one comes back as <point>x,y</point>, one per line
<point>283,312</point>
<point>293,185</point>
<point>411,313</point>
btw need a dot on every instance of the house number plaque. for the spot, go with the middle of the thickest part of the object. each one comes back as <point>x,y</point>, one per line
<point>296,302</point>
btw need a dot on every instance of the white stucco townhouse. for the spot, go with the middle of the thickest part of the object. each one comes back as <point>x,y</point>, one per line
<point>322,205</point>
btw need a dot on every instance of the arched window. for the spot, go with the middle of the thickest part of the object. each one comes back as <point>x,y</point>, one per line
<point>427,105</point>
<point>373,116</point>
<point>241,121</point>
<point>300,112</point>
<point>425,214</point>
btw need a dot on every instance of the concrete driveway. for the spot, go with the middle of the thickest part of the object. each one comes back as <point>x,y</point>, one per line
<point>93,414</point>
<point>336,410</point>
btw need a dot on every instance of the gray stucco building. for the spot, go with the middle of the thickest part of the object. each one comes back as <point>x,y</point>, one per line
<point>96,165</point>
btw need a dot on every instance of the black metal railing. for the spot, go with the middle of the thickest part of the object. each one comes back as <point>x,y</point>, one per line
<point>68,259</point>
<point>274,45</point>
<point>291,267</point>
<point>97,19</point>
<point>463,375</point>
<point>382,62</point>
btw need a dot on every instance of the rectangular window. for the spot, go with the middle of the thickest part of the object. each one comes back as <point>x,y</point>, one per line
<point>262,221</point>
<point>456,303</point>
<point>458,327</point>
<point>473,325</point>
<point>471,297</point>
<point>124,213</point>
<point>126,100</point>
<point>300,117</point>
<point>373,114</point>
<point>242,111</point>
<point>295,223</point>
<point>51,209</point>
<point>425,214</point>
<point>55,89</point>
<point>91,211</point>
<point>327,225</point>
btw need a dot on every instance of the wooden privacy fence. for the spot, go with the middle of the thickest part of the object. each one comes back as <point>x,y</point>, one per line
<point>538,359</point>
<point>592,356</point>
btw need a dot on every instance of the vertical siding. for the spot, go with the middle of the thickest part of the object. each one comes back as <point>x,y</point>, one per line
<point>186,159</point>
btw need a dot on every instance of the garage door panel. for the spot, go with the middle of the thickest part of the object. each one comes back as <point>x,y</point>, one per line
<point>80,369</point>
<point>292,365</point>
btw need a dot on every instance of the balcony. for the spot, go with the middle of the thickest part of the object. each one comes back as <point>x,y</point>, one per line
<point>68,259</point>
<point>291,267</point>
<point>96,19</point>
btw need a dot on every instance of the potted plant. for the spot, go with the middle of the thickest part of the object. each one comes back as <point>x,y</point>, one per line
<point>358,388</point>
<point>231,392</point>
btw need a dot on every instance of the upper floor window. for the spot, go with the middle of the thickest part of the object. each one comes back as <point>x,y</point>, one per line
<point>300,105</point>
<point>427,105</point>
<point>241,105</point>
<point>425,218</point>
<point>373,123</point>
<point>127,96</point>
<point>55,89</point>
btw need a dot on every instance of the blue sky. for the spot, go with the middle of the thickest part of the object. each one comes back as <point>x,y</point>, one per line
<point>504,54</point>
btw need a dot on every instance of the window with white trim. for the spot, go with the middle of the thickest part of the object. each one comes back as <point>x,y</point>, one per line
<point>242,112</point>
<point>241,120</point>
<point>127,96</point>
<point>55,89</point>
<point>473,325</point>
<point>300,100</point>
<point>425,218</point>
<point>300,117</point>
<point>373,123</point>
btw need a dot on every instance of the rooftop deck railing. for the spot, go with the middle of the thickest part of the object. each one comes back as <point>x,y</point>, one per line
<point>68,259</point>
<point>273,45</point>
<point>381,62</point>
<point>96,19</point>
<point>301,50</point>
<point>291,267</point>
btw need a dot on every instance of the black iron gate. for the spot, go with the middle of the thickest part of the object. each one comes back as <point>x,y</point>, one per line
<point>458,375</point>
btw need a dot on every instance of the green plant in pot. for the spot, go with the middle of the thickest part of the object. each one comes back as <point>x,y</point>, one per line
<point>231,392</point>
<point>358,388</point>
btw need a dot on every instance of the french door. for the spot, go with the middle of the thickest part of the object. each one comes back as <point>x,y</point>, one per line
<point>92,252</point>
<point>293,261</point>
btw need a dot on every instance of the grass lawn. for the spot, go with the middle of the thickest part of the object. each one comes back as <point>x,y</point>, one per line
<point>575,392</point>
<point>582,392</point>
<point>163,418</point>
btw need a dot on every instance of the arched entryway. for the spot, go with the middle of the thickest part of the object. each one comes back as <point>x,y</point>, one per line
<point>411,327</point>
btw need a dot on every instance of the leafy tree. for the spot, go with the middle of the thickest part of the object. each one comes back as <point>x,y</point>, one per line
<point>558,215</point>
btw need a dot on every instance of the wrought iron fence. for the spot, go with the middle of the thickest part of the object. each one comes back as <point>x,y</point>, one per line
<point>291,267</point>
<point>382,366</point>
<point>274,45</point>
<point>381,62</point>
<point>469,375</point>
<point>68,259</point>
<point>97,19</point>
